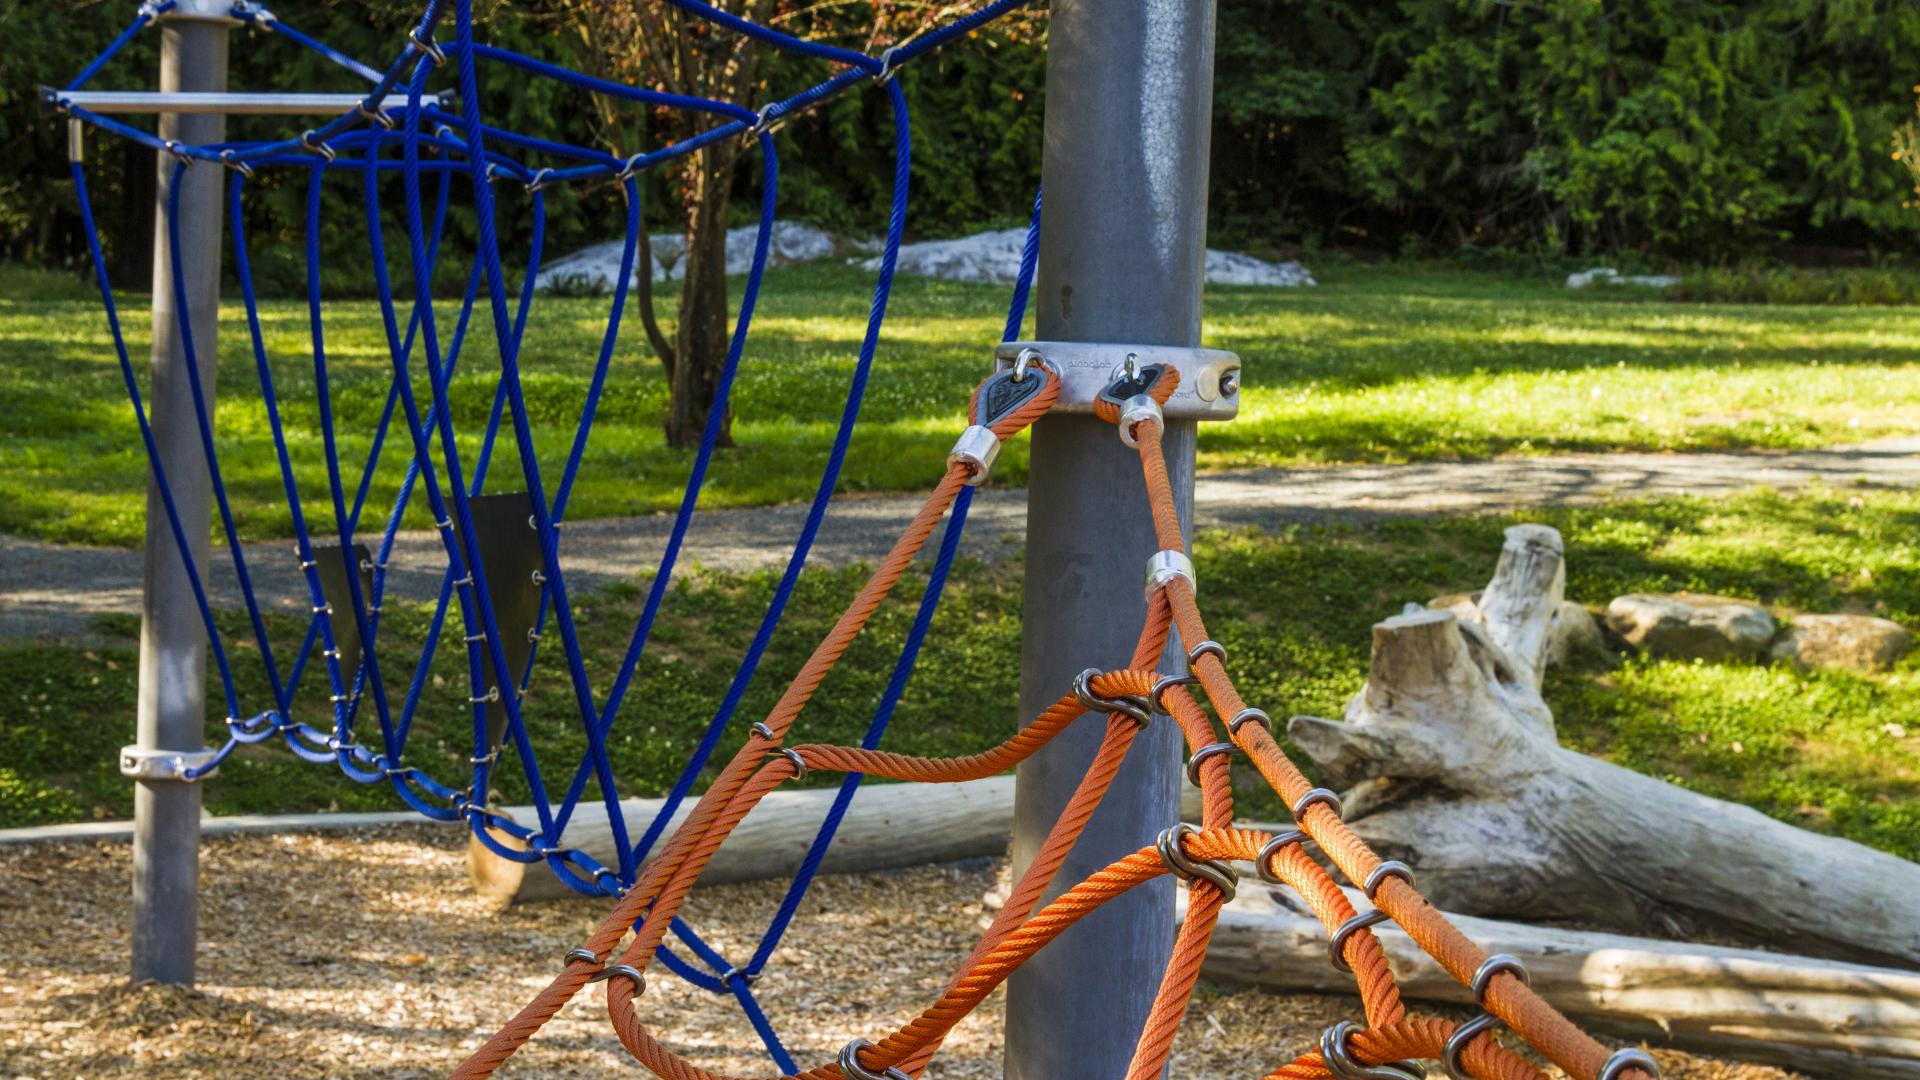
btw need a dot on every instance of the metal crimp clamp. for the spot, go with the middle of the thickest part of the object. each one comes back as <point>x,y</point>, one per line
<point>147,763</point>
<point>1132,707</point>
<point>1167,565</point>
<point>977,448</point>
<point>1452,1052</point>
<point>1216,871</point>
<point>1140,409</point>
<point>1622,1060</point>
<point>1340,1061</point>
<point>851,1068</point>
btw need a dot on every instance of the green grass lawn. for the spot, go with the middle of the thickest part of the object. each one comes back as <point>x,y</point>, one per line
<point>1382,363</point>
<point>1835,752</point>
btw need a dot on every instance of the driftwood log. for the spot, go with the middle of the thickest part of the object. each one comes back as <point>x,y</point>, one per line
<point>1823,1017</point>
<point>1452,764</point>
<point>888,826</point>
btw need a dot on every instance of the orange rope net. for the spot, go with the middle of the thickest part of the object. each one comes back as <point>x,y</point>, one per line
<point>1201,855</point>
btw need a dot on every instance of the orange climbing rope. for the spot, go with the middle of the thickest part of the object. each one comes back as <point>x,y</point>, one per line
<point>1129,697</point>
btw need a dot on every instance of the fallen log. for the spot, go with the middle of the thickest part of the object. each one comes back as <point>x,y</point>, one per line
<point>1452,765</point>
<point>1822,1017</point>
<point>888,826</point>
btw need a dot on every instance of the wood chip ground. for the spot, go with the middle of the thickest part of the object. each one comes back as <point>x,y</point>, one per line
<point>367,955</point>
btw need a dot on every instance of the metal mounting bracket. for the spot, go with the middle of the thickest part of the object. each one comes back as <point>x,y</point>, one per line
<point>146,763</point>
<point>220,11</point>
<point>1209,378</point>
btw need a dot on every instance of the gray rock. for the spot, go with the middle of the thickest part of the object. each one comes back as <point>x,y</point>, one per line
<point>1853,642</point>
<point>1574,631</point>
<point>1688,626</point>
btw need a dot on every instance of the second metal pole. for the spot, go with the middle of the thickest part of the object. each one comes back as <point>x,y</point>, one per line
<point>1122,259</point>
<point>173,646</point>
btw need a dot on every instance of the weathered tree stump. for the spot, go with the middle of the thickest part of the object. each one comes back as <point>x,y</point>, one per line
<point>1452,764</point>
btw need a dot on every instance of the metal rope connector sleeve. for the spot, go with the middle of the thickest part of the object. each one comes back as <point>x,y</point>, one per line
<point>1452,1053</point>
<point>977,448</point>
<point>1131,707</point>
<point>1167,565</point>
<point>147,763</point>
<point>1622,1060</point>
<point>851,1068</point>
<point>1339,1059</point>
<point>1187,868</point>
<point>1140,409</point>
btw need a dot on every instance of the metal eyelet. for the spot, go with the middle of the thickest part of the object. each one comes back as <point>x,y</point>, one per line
<point>762,730</point>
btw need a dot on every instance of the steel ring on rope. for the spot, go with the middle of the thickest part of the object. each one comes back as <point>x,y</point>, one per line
<point>1187,868</point>
<point>1339,1059</point>
<point>428,46</point>
<point>887,70</point>
<point>1249,716</point>
<point>541,179</point>
<point>1316,795</point>
<point>1155,700</point>
<point>1453,1050</point>
<point>1387,869</point>
<point>1262,863</point>
<point>1131,707</point>
<point>228,159</point>
<point>792,755</point>
<point>1217,650</point>
<point>314,145</point>
<point>377,116</point>
<point>1622,1060</point>
<point>1337,944</point>
<point>1200,757</point>
<point>851,1068</point>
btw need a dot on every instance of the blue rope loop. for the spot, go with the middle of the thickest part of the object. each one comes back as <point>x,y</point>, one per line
<point>433,152</point>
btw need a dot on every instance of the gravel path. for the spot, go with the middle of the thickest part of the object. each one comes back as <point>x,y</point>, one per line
<point>53,591</point>
<point>367,955</point>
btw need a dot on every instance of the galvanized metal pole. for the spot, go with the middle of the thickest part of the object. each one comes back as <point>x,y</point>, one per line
<point>1122,259</point>
<point>173,647</point>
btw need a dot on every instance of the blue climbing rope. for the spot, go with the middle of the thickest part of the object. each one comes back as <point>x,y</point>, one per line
<point>439,155</point>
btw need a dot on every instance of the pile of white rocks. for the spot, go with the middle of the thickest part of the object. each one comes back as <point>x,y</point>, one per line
<point>992,257</point>
<point>595,269</point>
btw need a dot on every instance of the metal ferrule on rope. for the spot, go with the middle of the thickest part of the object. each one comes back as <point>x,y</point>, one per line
<point>977,448</point>
<point>1140,409</point>
<point>1167,566</point>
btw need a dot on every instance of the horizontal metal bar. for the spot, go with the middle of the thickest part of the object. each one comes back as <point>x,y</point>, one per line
<point>130,102</point>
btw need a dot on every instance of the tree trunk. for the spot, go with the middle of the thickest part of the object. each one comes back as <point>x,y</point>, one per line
<point>1821,1016</point>
<point>1455,768</point>
<point>700,353</point>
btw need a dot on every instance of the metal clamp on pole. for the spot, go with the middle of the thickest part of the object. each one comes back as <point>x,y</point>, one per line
<point>146,763</point>
<point>216,11</point>
<point>1209,387</point>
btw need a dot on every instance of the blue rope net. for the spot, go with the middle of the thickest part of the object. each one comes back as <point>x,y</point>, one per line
<point>438,157</point>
